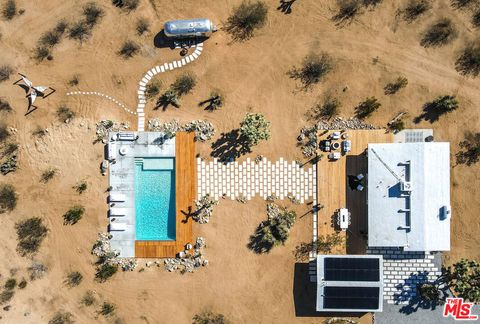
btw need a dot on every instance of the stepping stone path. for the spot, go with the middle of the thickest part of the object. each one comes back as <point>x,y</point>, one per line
<point>93,93</point>
<point>142,85</point>
<point>404,270</point>
<point>234,180</point>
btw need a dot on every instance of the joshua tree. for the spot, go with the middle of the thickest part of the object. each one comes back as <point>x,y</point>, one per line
<point>30,233</point>
<point>73,215</point>
<point>245,19</point>
<point>255,128</point>
<point>74,278</point>
<point>152,89</point>
<point>8,198</point>
<point>169,97</point>
<point>184,83</point>
<point>215,101</point>
<point>464,278</point>
<point>5,72</point>
<point>314,68</point>
<point>440,33</point>
<point>444,104</point>
<point>81,187</point>
<point>208,317</point>
<point>142,26</point>
<point>393,87</point>
<point>129,49</point>
<point>415,9</point>
<point>469,62</point>
<point>470,153</point>
<point>367,107</point>
<point>9,9</point>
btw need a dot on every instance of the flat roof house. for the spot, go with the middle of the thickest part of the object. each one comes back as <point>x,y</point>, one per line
<point>409,196</point>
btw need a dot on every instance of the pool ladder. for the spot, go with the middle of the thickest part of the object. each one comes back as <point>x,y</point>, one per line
<point>138,160</point>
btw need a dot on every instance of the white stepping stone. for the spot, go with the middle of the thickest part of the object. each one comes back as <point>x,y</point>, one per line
<point>148,77</point>
<point>162,69</point>
<point>165,66</point>
<point>184,61</point>
<point>175,64</point>
<point>195,55</point>
<point>149,73</point>
<point>139,93</point>
<point>198,52</point>
<point>142,84</point>
<point>157,69</point>
<point>187,59</point>
<point>170,66</point>
<point>142,88</point>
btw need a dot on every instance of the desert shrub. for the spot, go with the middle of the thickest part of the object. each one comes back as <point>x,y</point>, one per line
<point>107,309</point>
<point>367,107</point>
<point>326,110</point>
<point>142,26</point>
<point>39,131</point>
<point>469,61</point>
<point>50,38</point>
<point>73,215</point>
<point>5,105</point>
<point>255,128</point>
<point>152,89</point>
<point>129,49</point>
<point>64,113</point>
<point>9,9</point>
<point>429,292</point>
<point>393,87</point>
<point>105,271</point>
<point>74,81</point>
<point>30,234</point>
<point>464,278</point>
<point>79,31</point>
<point>470,149</point>
<point>10,283</point>
<point>8,198</point>
<point>37,271</point>
<point>128,5</point>
<point>22,284</point>
<point>62,318</point>
<point>61,27</point>
<point>323,245</point>
<point>92,13</point>
<point>4,133</point>
<point>208,317</point>
<point>272,232</point>
<point>440,33</point>
<point>347,10</point>
<point>371,3</point>
<point>314,68</point>
<point>6,296</point>
<point>81,187</point>
<point>88,299</point>
<point>416,8</point>
<point>184,83</point>
<point>5,72</point>
<point>397,126</point>
<point>169,97</point>
<point>74,278</point>
<point>459,4</point>
<point>48,175</point>
<point>41,53</point>
<point>9,149</point>
<point>245,19</point>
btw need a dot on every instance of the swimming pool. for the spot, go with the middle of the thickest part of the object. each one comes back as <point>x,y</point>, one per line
<point>155,199</point>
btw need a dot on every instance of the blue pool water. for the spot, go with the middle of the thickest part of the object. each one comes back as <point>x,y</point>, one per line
<point>155,199</point>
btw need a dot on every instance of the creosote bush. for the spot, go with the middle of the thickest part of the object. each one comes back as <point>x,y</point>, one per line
<point>255,128</point>
<point>347,10</point>
<point>9,9</point>
<point>74,81</point>
<point>142,26</point>
<point>92,13</point>
<point>208,317</point>
<point>470,149</point>
<point>107,309</point>
<point>41,53</point>
<point>184,84</point>
<point>152,89</point>
<point>326,110</point>
<point>367,107</point>
<point>88,299</point>
<point>469,61</point>
<point>5,72</point>
<point>73,215</point>
<point>30,234</point>
<point>416,8</point>
<point>105,271</point>
<point>80,31</point>
<point>397,126</point>
<point>8,198</point>
<point>129,49</point>
<point>74,278</point>
<point>128,5</point>
<point>64,113</point>
<point>9,149</point>
<point>313,70</point>
<point>245,19</point>
<point>10,284</point>
<point>393,87</point>
<point>438,34</point>
<point>62,318</point>
<point>81,187</point>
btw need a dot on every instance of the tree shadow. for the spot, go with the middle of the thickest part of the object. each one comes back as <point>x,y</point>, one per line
<point>410,294</point>
<point>257,243</point>
<point>230,146</point>
<point>431,113</point>
<point>209,104</point>
<point>286,6</point>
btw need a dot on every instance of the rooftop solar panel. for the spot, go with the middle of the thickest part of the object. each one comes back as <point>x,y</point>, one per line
<point>351,269</point>
<point>361,298</point>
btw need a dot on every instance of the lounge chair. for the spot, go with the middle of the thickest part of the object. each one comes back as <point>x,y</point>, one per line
<point>117,211</point>
<point>118,226</point>
<point>116,197</point>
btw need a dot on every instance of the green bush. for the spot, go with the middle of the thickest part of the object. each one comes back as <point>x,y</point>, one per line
<point>9,9</point>
<point>6,296</point>
<point>5,72</point>
<point>80,187</point>
<point>129,49</point>
<point>397,126</point>
<point>313,70</point>
<point>48,175</point>
<point>8,198</point>
<point>464,278</point>
<point>105,271</point>
<point>74,278</point>
<point>184,83</point>
<point>208,317</point>
<point>367,107</point>
<point>245,19</point>
<point>73,215</point>
<point>255,128</point>
<point>443,104</point>
<point>30,234</point>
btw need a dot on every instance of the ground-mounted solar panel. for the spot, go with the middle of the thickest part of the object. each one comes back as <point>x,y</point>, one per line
<point>351,269</point>
<point>361,298</point>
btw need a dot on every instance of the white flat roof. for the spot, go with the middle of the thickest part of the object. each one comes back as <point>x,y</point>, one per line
<point>396,219</point>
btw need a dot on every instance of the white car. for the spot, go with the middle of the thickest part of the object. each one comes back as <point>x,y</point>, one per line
<point>347,146</point>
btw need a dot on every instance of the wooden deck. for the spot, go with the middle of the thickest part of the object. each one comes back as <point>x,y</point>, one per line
<point>333,191</point>
<point>185,182</point>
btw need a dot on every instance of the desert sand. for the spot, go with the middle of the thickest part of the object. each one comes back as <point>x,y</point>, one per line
<point>372,51</point>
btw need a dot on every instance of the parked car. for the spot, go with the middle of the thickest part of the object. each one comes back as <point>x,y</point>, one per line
<point>325,145</point>
<point>347,146</point>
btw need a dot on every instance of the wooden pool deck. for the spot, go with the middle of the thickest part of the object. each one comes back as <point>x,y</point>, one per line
<point>185,184</point>
<point>333,191</point>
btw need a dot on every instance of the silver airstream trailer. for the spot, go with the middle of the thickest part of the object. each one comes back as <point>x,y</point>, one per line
<point>200,27</point>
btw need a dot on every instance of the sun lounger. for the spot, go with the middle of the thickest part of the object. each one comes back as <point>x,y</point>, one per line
<point>116,197</point>
<point>112,151</point>
<point>126,136</point>
<point>117,211</point>
<point>118,226</point>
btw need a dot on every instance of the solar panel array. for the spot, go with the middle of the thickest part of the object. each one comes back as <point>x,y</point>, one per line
<point>351,297</point>
<point>351,269</point>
